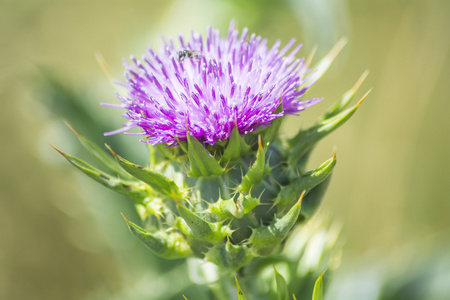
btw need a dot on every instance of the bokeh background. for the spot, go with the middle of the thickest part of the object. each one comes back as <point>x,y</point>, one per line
<point>62,237</point>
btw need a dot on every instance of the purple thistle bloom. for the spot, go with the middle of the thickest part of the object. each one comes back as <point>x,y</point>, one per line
<point>205,87</point>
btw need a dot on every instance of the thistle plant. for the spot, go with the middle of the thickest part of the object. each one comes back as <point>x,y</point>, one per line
<point>221,185</point>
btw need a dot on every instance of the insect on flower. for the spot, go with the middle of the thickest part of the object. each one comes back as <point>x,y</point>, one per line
<point>189,54</point>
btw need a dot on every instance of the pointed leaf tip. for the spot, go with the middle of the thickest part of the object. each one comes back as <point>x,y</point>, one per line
<point>111,150</point>
<point>77,133</point>
<point>282,288</point>
<point>126,220</point>
<point>318,288</point>
<point>363,97</point>
<point>59,151</point>
<point>241,295</point>
<point>360,80</point>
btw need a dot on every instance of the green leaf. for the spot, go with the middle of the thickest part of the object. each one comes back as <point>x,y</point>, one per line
<point>233,149</point>
<point>241,295</point>
<point>282,288</point>
<point>100,154</point>
<point>272,131</point>
<point>256,172</point>
<point>318,288</point>
<point>345,100</point>
<point>201,163</point>
<point>307,182</point>
<point>265,238</point>
<point>133,189</point>
<point>318,70</point>
<point>313,199</point>
<point>229,256</point>
<point>169,246</point>
<point>305,139</point>
<point>201,229</point>
<point>158,182</point>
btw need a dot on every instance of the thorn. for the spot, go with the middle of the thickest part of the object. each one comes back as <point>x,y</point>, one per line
<point>363,97</point>
<point>360,80</point>
<point>259,142</point>
<point>337,48</point>
<point>102,63</point>
<point>126,220</point>
<point>60,152</point>
<point>310,56</point>
<point>334,152</point>
<point>77,133</point>
<point>301,197</point>
<point>321,275</point>
<point>111,150</point>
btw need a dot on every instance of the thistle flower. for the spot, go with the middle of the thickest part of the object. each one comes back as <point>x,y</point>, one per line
<point>221,185</point>
<point>206,87</point>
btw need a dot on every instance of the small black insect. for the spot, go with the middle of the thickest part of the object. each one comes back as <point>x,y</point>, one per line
<point>188,54</point>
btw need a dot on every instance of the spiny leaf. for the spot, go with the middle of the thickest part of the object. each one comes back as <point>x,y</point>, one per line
<point>201,229</point>
<point>282,289</point>
<point>345,100</point>
<point>229,256</point>
<point>158,182</point>
<point>273,234</point>
<point>101,155</point>
<point>307,182</point>
<point>201,163</point>
<point>169,246</point>
<point>233,149</point>
<point>305,139</point>
<point>133,189</point>
<point>325,63</point>
<point>256,172</point>
<point>318,288</point>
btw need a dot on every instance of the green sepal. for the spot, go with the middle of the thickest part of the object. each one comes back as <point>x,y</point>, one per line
<point>272,131</point>
<point>264,238</point>
<point>100,154</point>
<point>240,293</point>
<point>345,99</point>
<point>134,189</point>
<point>320,68</point>
<point>158,182</point>
<point>200,229</point>
<point>201,162</point>
<point>307,182</point>
<point>256,172</point>
<point>233,148</point>
<point>318,288</point>
<point>305,139</point>
<point>229,256</point>
<point>282,288</point>
<point>170,246</point>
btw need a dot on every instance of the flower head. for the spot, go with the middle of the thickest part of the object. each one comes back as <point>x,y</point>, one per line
<point>206,87</point>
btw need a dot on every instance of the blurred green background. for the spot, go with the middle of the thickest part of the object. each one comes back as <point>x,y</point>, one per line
<point>62,237</point>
